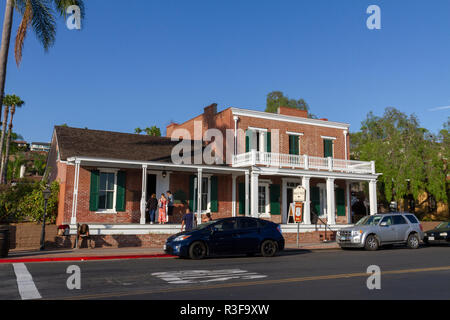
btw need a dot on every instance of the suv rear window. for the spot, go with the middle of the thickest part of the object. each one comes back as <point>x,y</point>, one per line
<point>411,218</point>
<point>399,220</point>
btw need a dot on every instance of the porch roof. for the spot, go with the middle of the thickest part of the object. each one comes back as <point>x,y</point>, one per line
<point>167,166</point>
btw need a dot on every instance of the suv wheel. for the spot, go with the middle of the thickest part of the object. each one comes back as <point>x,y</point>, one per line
<point>371,243</point>
<point>413,241</point>
<point>269,248</point>
<point>197,250</point>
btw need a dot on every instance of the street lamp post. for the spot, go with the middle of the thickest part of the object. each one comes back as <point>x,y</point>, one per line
<point>46,193</point>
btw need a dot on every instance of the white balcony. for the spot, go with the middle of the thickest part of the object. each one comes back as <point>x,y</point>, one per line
<point>305,162</point>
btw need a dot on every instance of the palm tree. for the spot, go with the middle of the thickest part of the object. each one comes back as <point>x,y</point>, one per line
<point>13,101</point>
<point>138,130</point>
<point>38,15</point>
<point>6,103</point>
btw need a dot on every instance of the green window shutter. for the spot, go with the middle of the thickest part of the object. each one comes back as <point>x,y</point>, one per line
<point>93,197</point>
<point>241,198</point>
<point>214,194</point>
<point>340,202</point>
<point>327,148</point>
<point>269,142</point>
<point>294,145</point>
<point>192,195</point>
<point>120,195</point>
<point>315,199</point>
<point>275,199</point>
<point>247,140</point>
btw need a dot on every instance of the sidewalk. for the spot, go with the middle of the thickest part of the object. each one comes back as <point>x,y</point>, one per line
<point>34,255</point>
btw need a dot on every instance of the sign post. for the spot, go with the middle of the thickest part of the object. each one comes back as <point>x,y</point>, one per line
<point>299,199</point>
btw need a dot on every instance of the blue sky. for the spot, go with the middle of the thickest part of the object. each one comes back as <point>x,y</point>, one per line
<point>151,62</point>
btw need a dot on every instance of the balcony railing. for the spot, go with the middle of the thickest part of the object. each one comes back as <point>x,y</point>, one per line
<point>305,162</point>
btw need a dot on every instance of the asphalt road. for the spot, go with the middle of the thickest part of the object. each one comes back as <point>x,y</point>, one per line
<point>336,274</point>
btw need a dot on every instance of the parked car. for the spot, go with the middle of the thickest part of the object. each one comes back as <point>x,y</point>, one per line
<point>374,231</point>
<point>237,235</point>
<point>440,234</point>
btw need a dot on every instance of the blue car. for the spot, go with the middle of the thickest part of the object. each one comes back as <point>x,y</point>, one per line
<point>229,236</point>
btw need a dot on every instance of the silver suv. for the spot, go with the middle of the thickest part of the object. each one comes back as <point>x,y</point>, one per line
<point>371,232</point>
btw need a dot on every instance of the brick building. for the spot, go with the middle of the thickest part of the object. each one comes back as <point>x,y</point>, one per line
<point>256,160</point>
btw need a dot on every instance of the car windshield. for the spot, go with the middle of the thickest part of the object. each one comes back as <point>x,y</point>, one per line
<point>369,221</point>
<point>204,225</point>
<point>443,225</point>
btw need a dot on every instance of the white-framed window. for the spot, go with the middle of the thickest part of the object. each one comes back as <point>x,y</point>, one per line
<point>206,193</point>
<point>107,191</point>
<point>263,199</point>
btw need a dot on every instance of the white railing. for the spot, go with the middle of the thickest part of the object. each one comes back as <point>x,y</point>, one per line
<point>279,160</point>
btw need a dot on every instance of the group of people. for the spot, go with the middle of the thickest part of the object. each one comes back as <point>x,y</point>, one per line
<point>160,209</point>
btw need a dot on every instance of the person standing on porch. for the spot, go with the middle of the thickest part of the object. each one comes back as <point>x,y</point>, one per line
<point>169,204</point>
<point>162,209</point>
<point>152,206</point>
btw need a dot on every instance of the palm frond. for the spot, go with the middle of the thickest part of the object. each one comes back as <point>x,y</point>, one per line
<point>62,5</point>
<point>43,22</point>
<point>22,32</point>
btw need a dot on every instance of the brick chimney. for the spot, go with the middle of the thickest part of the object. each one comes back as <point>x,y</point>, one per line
<point>210,110</point>
<point>293,112</point>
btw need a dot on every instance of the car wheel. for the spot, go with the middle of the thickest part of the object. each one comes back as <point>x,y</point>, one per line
<point>413,241</point>
<point>197,250</point>
<point>371,243</point>
<point>269,248</point>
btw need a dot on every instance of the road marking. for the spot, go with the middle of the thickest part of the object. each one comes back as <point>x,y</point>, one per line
<point>245,284</point>
<point>204,276</point>
<point>25,283</point>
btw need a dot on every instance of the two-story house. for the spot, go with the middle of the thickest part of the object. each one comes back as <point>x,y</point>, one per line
<point>258,159</point>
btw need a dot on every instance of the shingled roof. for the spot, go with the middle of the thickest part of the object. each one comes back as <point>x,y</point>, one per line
<point>74,142</point>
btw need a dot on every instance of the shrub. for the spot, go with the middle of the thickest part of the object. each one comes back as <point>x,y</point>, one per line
<point>25,202</point>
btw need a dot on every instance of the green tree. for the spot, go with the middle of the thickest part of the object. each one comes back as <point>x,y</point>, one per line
<point>276,99</point>
<point>12,101</point>
<point>150,131</point>
<point>409,157</point>
<point>40,15</point>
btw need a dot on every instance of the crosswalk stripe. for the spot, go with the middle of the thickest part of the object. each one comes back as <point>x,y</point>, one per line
<point>25,283</point>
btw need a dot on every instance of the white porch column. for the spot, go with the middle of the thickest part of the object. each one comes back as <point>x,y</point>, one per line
<point>331,201</point>
<point>254,194</point>
<point>143,193</point>
<point>199,195</point>
<point>307,207</point>
<point>247,196</point>
<point>73,219</point>
<point>349,201</point>
<point>233,195</point>
<point>373,196</point>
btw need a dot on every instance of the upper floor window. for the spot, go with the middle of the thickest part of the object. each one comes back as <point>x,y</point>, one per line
<point>257,139</point>
<point>294,145</point>
<point>327,148</point>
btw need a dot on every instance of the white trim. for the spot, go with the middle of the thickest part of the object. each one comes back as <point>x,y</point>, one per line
<point>291,133</point>
<point>285,118</point>
<point>257,129</point>
<point>328,138</point>
<point>161,165</point>
<point>96,229</point>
